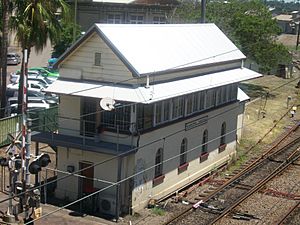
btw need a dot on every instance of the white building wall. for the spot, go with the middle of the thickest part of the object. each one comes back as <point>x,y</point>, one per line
<point>81,63</point>
<point>240,122</point>
<point>145,157</point>
<point>69,114</point>
<point>68,188</point>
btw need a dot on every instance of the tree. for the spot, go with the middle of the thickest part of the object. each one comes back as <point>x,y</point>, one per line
<point>35,22</point>
<point>249,24</point>
<point>66,40</point>
<point>3,56</point>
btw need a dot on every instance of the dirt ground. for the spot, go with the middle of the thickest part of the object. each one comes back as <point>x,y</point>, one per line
<point>288,39</point>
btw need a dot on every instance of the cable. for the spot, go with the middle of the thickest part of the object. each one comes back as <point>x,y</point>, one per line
<point>142,171</point>
<point>153,73</point>
<point>120,155</point>
<point>181,130</point>
<point>131,176</point>
<point>85,168</point>
<point>98,111</point>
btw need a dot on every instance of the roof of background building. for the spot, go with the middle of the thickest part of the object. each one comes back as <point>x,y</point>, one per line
<point>284,17</point>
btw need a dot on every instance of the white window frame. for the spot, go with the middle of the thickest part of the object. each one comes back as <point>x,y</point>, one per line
<point>165,107</point>
<point>136,19</point>
<point>97,59</point>
<point>160,20</point>
<point>179,110</point>
<point>115,18</point>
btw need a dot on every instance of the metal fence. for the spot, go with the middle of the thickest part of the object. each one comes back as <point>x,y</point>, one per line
<point>9,125</point>
<point>42,120</point>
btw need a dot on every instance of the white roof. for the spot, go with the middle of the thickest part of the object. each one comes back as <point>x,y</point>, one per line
<point>156,92</point>
<point>284,17</point>
<point>242,96</point>
<point>150,48</point>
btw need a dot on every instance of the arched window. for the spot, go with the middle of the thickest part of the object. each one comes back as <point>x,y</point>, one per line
<point>183,149</point>
<point>223,134</point>
<point>204,141</point>
<point>158,162</point>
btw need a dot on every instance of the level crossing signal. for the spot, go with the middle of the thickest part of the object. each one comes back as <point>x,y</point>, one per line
<point>41,161</point>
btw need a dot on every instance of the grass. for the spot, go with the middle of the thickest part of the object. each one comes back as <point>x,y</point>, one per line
<point>158,211</point>
<point>275,106</point>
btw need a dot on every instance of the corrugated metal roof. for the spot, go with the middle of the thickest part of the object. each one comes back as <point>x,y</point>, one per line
<point>150,48</point>
<point>156,92</point>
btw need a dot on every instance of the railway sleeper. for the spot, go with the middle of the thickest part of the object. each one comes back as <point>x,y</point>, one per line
<point>275,160</point>
<point>210,208</point>
<point>244,216</point>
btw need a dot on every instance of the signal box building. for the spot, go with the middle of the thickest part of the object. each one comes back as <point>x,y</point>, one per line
<point>147,109</point>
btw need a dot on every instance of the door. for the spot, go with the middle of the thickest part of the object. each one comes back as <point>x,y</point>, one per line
<point>87,185</point>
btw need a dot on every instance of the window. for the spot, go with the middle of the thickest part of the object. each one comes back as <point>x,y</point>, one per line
<point>162,111</point>
<point>119,117</point>
<point>145,116</point>
<point>97,59</point>
<point>177,107</point>
<point>158,163</point>
<point>114,18</point>
<point>190,103</point>
<point>223,134</point>
<point>88,117</point>
<point>210,98</point>
<point>202,100</point>
<point>183,150</point>
<point>204,141</point>
<point>233,92</point>
<point>159,20</point>
<point>136,19</point>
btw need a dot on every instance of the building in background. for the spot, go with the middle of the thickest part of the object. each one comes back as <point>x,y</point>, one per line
<point>289,23</point>
<point>123,11</point>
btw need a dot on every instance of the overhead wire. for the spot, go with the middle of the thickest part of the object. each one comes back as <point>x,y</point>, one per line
<point>119,156</point>
<point>132,176</point>
<point>122,154</point>
<point>209,118</point>
<point>103,110</point>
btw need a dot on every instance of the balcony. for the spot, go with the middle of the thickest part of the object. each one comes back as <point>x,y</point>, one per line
<point>81,142</point>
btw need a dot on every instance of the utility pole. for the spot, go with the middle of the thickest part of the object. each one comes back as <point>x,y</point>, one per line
<point>75,20</point>
<point>203,10</point>
<point>298,32</point>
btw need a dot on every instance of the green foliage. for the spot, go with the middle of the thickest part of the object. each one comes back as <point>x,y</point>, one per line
<point>61,45</point>
<point>36,21</point>
<point>248,24</point>
<point>158,211</point>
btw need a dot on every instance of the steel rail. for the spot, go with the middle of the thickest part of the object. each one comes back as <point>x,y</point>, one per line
<point>253,165</point>
<point>292,158</point>
<point>288,213</point>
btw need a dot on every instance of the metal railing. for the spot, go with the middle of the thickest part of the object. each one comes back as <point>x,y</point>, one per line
<point>42,120</point>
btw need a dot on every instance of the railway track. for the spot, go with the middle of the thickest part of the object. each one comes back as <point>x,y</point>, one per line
<point>250,179</point>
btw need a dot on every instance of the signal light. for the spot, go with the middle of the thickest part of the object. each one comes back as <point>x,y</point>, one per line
<point>3,161</point>
<point>41,161</point>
